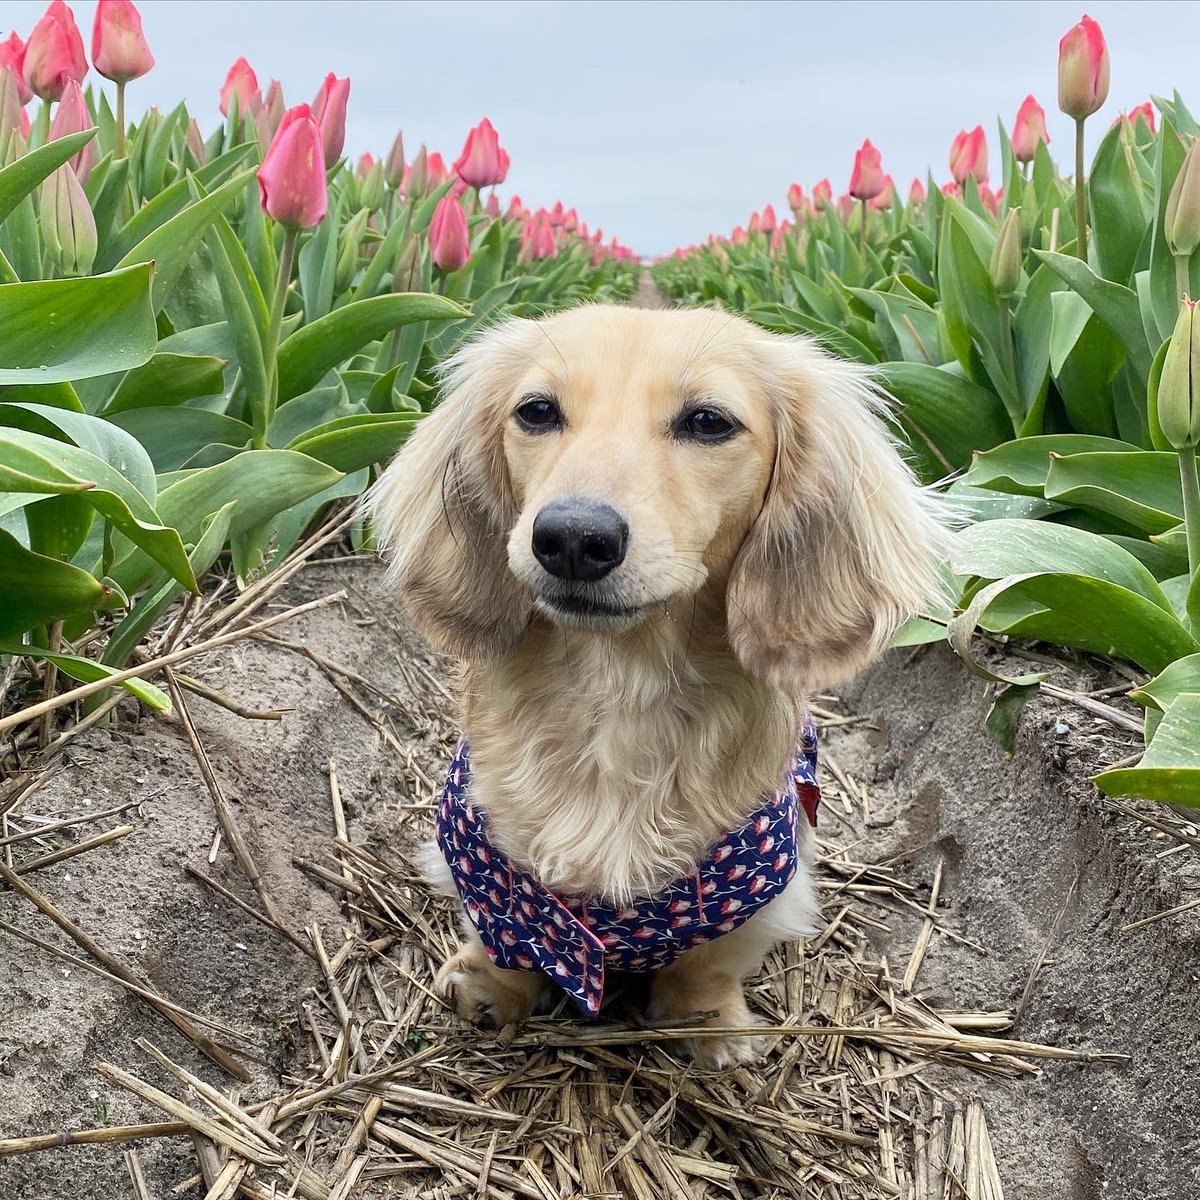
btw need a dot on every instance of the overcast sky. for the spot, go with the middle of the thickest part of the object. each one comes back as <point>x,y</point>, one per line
<point>663,121</point>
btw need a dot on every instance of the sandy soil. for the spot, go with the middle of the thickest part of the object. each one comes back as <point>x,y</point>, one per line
<point>1025,845</point>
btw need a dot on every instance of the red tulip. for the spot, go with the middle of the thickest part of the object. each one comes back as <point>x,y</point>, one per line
<point>866,180</point>
<point>329,110</point>
<point>291,180</point>
<point>449,238</point>
<point>969,156</point>
<point>54,53</point>
<point>12,52</point>
<point>822,195</point>
<point>1029,129</point>
<point>119,49</point>
<point>916,192</point>
<point>482,163</point>
<point>242,83</point>
<point>72,116</point>
<point>1082,70</point>
<point>1145,112</point>
<point>769,220</point>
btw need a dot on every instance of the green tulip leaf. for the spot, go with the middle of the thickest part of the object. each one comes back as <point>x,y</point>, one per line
<point>87,670</point>
<point>22,177</point>
<point>1139,488</point>
<point>1169,770</point>
<point>64,329</point>
<point>173,436</point>
<point>351,443</point>
<point>1022,466</point>
<point>321,345</point>
<point>168,379</point>
<point>38,589</point>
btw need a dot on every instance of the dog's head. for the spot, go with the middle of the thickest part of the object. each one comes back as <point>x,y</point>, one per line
<point>607,464</point>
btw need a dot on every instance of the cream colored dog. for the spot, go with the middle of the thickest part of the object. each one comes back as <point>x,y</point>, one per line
<point>649,535</point>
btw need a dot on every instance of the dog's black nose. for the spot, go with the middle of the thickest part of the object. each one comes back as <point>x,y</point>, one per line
<point>579,540</point>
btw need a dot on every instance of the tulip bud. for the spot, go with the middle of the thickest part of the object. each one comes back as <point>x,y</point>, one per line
<point>68,227</point>
<point>393,165</point>
<point>1182,218</point>
<point>886,198</point>
<point>54,53</point>
<point>418,174</point>
<point>349,251</point>
<point>119,48</point>
<point>1082,70</point>
<point>370,189</point>
<point>12,54</point>
<point>1005,267</point>
<point>241,84</point>
<point>269,113</point>
<point>491,206</point>
<point>482,163</point>
<point>73,117</point>
<point>194,141</point>
<point>969,156</point>
<point>916,193</point>
<point>407,276</point>
<point>449,238</point>
<point>436,170</point>
<point>291,180</point>
<point>795,198</point>
<point>1029,129</point>
<point>1142,112</point>
<point>866,180</point>
<point>822,194</point>
<point>1179,386</point>
<point>329,111</point>
<point>769,222</point>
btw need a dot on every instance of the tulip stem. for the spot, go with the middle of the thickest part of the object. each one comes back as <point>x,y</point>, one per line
<point>43,125</point>
<point>862,229</point>
<point>120,119</point>
<point>1189,478</point>
<point>1183,283</point>
<point>287,258</point>
<point>1081,204</point>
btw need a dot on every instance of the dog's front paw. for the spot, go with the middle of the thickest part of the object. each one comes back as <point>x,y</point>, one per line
<point>488,995</point>
<point>675,996</point>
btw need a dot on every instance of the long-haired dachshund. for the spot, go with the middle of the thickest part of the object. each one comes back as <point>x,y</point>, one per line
<point>648,535</point>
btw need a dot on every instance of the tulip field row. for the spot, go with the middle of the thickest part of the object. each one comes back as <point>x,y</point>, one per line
<point>1041,343</point>
<point>212,336</point>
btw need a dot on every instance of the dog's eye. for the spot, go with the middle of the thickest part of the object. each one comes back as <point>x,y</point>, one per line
<point>538,414</point>
<point>705,425</point>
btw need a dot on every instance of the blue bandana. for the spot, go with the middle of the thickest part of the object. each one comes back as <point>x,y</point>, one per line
<point>526,927</point>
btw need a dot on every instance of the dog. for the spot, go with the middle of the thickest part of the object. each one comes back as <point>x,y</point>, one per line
<point>648,535</point>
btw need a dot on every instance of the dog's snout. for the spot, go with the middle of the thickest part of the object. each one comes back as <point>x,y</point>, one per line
<point>579,540</point>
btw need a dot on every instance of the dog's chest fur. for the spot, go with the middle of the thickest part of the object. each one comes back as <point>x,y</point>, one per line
<point>609,765</point>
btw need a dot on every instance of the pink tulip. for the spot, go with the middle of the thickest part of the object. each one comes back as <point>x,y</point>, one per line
<point>887,197</point>
<point>329,110</point>
<point>796,201</point>
<point>491,206</point>
<point>417,181</point>
<point>119,48</point>
<point>738,235</point>
<point>1082,70</point>
<point>449,238</point>
<point>12,53</point>
<point>242,83</point>
<point>916,192</point>
<point>769,220</point>
<point>54,53</point>
<point>1029,129</point>
<point>72,116</point>
<point>866,180</point>
<point>366,161</point>
<point>436,168</point>
<point>291,180</point>
<point>991,200</point>
<point>755,223</point>
<point>951,189</point>
<point>1145,112</point>
<point>482,163</point>
<point>543,242</point>
<point>516,210</point>
<point>845,207</point>
<point>969,156</point>
<point>822,195</point>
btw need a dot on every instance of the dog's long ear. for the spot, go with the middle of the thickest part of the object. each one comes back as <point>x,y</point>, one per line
<point>846,545</point>
<point>444,507</point>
